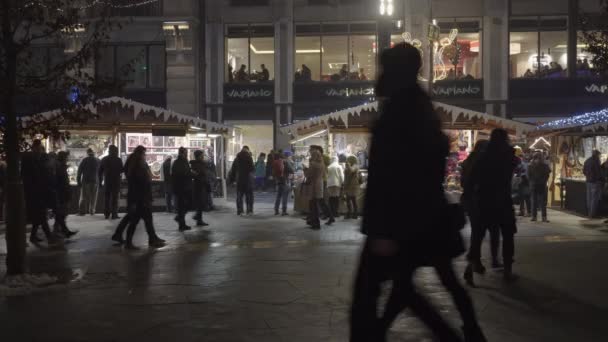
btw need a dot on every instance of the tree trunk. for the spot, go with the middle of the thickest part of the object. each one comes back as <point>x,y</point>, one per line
<point>15,218</point>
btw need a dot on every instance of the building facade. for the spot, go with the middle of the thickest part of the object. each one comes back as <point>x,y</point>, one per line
<point>260,64</point>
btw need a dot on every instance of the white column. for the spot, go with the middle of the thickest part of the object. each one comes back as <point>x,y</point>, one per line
<point>418,15</point>
<point>495,46</point>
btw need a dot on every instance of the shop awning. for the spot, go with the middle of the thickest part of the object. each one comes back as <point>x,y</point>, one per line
<point>139,113</point>
<point>453,117</point>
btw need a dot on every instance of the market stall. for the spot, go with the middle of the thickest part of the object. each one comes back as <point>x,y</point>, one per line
<point>347,133</point>
<point>572,140</point>
<point>128,124</point>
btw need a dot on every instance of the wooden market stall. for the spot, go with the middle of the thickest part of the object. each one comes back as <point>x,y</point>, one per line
<point>347,132</point>
<point>128,124</point>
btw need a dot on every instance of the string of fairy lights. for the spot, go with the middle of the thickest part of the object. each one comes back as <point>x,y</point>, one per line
<point>587,119</point>
<point>94,3</point>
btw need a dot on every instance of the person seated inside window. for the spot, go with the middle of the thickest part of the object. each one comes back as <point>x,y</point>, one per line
<point>528,74</point>
<point>230,74</point>
<point>264,75</point>
<point>305,73</point>
<point>344,72</point>
<point>586,65</point>
<point>362,75</point>
<point>241,75</point>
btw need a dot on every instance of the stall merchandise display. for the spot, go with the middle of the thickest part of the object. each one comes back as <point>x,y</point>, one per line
<point>78,144</point>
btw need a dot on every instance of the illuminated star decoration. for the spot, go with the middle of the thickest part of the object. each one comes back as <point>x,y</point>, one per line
<point>441,72</point>
<point>582,120</point>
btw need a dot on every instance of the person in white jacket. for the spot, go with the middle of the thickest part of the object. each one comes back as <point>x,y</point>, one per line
<point>335,180</point>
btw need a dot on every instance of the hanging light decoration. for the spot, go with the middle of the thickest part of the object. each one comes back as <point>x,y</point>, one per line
<point>582,120</point>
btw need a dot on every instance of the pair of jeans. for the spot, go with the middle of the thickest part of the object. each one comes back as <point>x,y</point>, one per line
<point>525,205</point>
<point>373,270</point>
<point>351,204</point>
<point>39,220</point>
<point>594,195</point>
<point>248,199</point>
<point>539,200</point>
<point>169,201</point>
<point>112,194</point>
<point>283,192</point>
<point>478,233</point>
<point>182,209</point>
<point>88,198</point>
<point>334,207</point>
<point>313,217</point>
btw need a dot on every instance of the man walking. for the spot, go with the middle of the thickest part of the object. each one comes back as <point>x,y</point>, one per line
<point>539,173</point>
<point>110,171</point>
<point>283,171</point>
<point>593,175</point>
<point>242,173</point>
<point>181,181</point>
<point>87,181</point>
<point>166,178</point>
<point>199,192</point>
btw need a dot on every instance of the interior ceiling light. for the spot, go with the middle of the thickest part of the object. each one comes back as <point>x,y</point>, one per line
<point>271,52</point>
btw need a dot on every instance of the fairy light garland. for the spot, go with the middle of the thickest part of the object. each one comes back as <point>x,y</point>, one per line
<point>582,120</point>
<point>100,2</point>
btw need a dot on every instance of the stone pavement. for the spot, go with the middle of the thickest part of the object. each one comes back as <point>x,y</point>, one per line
<point>266,278</point>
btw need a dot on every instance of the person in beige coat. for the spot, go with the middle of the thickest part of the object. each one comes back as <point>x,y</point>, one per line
<point>314,177</point>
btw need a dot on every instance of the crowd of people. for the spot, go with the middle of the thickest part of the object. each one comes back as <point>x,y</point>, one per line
<point>304,74</point>
<point>555,70</point>
<point>243,76</point>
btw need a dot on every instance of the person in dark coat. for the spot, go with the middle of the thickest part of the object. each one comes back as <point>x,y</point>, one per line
<point>63,193</point>
<point>199,189</point>
<point>592,169</point>
<point>38,193</point>
<point>110,171</point>
<point>166,178</point>
<point>478,230</point>
<point>211,182</point>
<point>242,173</point>
<point>139,201</point>
<point>539,173</point>
<point>394,248</point>
<point>492,177</point>
<point>87,181</point>
<point>181,182</point>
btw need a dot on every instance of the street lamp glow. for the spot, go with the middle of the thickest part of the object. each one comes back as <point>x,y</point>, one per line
<point>382,7</point>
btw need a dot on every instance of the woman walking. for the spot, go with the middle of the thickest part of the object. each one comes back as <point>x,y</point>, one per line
<point>352,184</point>
<point>393,250</point>
<point>63,193</point>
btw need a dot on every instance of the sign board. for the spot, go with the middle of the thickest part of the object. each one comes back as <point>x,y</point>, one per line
<point>249,92</point>
<point>458,89</point>
<point>335,91</point>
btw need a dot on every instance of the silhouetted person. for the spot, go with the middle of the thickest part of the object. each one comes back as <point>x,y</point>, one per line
<point>362,75</point>
<point>306,73</point>
<point>230,74</point>
<point>344,72</point>
<point>181,182</point>
<point>241,75</point>
<point>87,181</point>
<point>139,200</point>
<point>260,172</point>
<point>314,178</point>
<point>395,248</point>
<point>199,187</point>
<point>539,172</point>
<point>63,193</point>
<point>242,173</point>
<point>211,181</point>
<point>38,192</point>
<point>492,176</point>
<point>110,171</point>
<point>352,185</point>
<point>264,74</point>
<point>335,181</point>
<point>268,179</point>
<point>166,178</point>
<point>470,198</point>
<point>592,169</point>
<point>284,183</point>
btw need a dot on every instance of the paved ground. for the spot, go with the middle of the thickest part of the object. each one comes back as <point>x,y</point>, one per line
<point>263,278</point>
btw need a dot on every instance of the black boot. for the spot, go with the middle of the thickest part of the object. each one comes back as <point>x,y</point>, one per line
<point>473,334</point>
<point>468,275</point>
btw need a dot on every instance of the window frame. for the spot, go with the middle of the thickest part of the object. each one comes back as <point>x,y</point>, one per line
<point>454,21</point>
<point>146,46</point>
<point>250,33</point>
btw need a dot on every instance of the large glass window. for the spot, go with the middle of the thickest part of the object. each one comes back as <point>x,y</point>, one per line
<point>458,53</point>
<point>538,47</point>
<point>584,59</point>
<point>250,53</point>
<point>335,52</point>
<point>138,66</point>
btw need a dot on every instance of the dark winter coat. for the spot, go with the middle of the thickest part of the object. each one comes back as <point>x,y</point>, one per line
<point>411,208</point>
<point>181,177</point>
<point>63,191</point>
<point>87,171</point>
<point>36,181</point>
<point>492,176</point>
<point>200,184</point>
<point>592,169</point>
<point>538,173</point>
<point>110,171</point>
<point>242,171</point>
<point>139,178</point>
